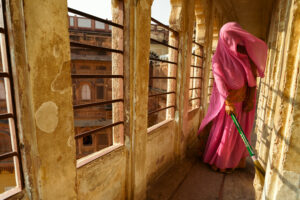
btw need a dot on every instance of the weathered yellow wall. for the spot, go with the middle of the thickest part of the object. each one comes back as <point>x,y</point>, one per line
<point>40,51</point>
<point>103,178</point>
<point>41,56</point>
<point>160,150</point>
<point>139,22</point>
<point>277,123</point>
<point>194,119</point>
<point>123,173</point>
<point>48,61</point>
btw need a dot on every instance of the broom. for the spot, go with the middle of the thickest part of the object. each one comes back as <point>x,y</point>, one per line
<point>259,170</point>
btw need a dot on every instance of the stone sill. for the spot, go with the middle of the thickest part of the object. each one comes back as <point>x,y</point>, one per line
<point>156,126</point>
<point>87,159</point>
<point>193,110</point>
<point>10,193</point>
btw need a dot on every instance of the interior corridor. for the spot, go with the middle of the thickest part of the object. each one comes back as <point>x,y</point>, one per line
<point>193,180</point>
<point>108,107</point>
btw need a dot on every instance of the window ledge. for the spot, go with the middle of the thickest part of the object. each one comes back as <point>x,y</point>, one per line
<point>156,126</point>
<point>87,159</point>
<point>10,193</point>
<point>194,109</point>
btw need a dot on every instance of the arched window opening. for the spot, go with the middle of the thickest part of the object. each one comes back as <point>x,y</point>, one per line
<point>162,65</point>
<point>197,58</point>
<point>97,72</point>
<point>216,29</point>
<point>85,92</point>
<point>87,140</point>
<point>196,75</point>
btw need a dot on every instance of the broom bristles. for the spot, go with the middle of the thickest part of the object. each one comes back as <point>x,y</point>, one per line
<point>259,171</point>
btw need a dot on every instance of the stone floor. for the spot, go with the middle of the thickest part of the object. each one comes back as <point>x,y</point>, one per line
<point>194,180</point>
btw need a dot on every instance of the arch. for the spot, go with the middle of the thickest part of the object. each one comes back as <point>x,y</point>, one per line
<point>85,92</point>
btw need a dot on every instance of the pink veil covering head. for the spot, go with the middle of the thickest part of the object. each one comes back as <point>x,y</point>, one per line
<point>230,68</point>
<point>232,34</point>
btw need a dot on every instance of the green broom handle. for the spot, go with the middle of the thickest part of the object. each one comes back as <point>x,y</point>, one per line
<point>239,128</point>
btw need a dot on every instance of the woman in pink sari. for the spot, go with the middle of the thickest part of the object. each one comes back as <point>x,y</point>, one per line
<point>239,58</point>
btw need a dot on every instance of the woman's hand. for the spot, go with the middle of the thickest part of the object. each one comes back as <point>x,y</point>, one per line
<point>229,109</point>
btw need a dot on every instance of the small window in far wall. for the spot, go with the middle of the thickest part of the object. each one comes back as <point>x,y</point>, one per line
<point>87,140</point>
<point>100,80</point>
<point>99,25</point>
<point>84,67</point>
<point>71,21</point>
<point>100,92</point>
<point>101,68</point>
<point>86,92</point>
<point>74,91</point>
<point>84,23</point>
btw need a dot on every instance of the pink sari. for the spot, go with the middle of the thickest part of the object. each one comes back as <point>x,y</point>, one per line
<point>231,70</point>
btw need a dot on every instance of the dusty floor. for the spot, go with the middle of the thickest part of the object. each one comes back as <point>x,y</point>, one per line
<point>194,180</point>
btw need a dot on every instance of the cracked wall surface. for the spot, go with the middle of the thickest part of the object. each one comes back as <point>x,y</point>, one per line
<point>41,57</point>
<point>277,123</point>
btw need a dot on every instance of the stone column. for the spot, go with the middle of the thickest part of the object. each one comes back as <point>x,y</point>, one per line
<point>41,70</point>
<point>182,19</point>
<point>200,38</point>
<point>136,67</point>
<point>172,72</point>
<point>208,10</point>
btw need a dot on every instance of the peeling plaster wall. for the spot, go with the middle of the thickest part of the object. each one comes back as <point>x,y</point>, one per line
<point>40,61</point>
<point>277,123</point>
<point>40,51</point>
<point>103,178</point>
<point>138,81</point>
<point>48,59</point>
<point>160,150</point>
<point>182,20</point>
<point>194,119</point>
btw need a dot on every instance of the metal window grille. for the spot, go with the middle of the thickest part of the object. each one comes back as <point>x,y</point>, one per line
<point>158,84</point>
<point>102,125</point>
<point>196,76</point>
<point>10,159</point>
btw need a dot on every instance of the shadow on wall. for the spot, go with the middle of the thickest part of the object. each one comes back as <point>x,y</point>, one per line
<point>285,182</point>
<point>285,98</point>
<point>267,130</point>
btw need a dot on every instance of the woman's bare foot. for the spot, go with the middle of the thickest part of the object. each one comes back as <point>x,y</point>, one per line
<point>223,170</point>
<point>213,167</point>
<point>242,163</point>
